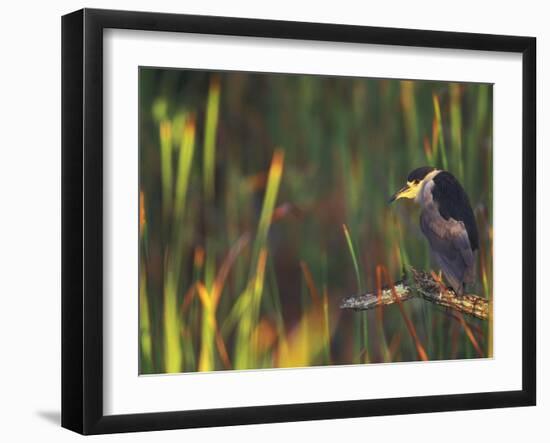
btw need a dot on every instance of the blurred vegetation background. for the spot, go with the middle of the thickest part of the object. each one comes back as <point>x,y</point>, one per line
<point>263,202</point>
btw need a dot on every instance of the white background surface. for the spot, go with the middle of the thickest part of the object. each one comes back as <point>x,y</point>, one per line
<point>125,393</point>
<point>30,220</point>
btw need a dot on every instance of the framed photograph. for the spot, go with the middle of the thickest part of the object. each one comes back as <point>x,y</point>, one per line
<point>269,221</point>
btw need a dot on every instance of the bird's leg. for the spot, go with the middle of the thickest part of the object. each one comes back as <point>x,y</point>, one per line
<point>449,288</point>
<point>439,280</point>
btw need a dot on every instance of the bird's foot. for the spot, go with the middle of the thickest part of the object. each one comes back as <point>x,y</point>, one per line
<point>458,295</point>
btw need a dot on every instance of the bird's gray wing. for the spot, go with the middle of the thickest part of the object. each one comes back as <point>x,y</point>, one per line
<point>450,245</point>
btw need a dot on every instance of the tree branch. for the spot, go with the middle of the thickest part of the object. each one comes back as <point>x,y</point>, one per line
<point>422,286</point>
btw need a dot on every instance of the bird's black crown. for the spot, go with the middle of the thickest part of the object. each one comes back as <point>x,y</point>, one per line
<point>419,173</point>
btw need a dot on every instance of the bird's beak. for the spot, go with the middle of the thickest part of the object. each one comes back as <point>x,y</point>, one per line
<point>398,194</point>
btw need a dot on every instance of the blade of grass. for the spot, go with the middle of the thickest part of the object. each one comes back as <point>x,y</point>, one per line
<point>226,266</point>
<point>328,355</point>
<point>245,347</point>
<point>309,282</point>
<point>187,148</point>
<point>210,301</point>
<point>353,258</point>
<point>380,317</point>
<point>211,333</point>
<point>437,111</point>
<point>210,131</point>
<point>470,334</point>
<point>172,346</point>
<point>166,164</point>
<point>456,128</point>
<point>428,151</point>
<point>145,326</point>
<point>270,198</point>
<point>361,324</point>
<point>435,140</point>
<point>209,172</point>
<point>208,327</point>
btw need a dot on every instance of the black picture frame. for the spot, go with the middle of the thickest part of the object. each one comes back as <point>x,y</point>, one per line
<point>82,220</point>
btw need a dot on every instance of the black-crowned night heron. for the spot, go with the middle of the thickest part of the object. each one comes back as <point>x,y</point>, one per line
<point>447,221</point>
